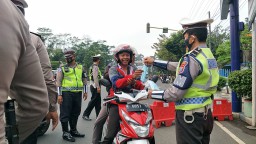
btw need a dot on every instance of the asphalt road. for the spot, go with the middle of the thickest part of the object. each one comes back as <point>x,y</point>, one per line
<point>163,135</point>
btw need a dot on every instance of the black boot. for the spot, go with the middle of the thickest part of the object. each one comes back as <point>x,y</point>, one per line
<point>73,130</point>
<point>75,133</point>
<point>66,135</point>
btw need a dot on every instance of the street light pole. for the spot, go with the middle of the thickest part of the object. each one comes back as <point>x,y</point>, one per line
<point>165,29</point>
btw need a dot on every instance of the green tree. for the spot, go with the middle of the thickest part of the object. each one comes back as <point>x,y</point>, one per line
<point>246,44</point>
<point>218,36</point>
<point>170,48</point>
<point>45,33</point>
<point>246,38</point>
<point>223,54</point>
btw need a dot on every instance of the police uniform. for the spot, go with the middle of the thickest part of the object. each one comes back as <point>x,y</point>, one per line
<point>196,81</point>
<point>94,76</point>
<point>47,70</point>
<point>21,74</point>
<point>71,82</point>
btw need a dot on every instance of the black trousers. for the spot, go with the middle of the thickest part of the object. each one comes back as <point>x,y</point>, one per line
<point>197,132</point>
<point>31,139</point>
<point>95,102</point>
<point>70,108</point>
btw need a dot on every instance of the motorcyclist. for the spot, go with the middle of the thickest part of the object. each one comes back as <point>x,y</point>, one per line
<point>123,78</point>
<point>101,119</point>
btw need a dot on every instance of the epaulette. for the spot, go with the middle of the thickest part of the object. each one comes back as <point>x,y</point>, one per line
<point>196,51</point>
<point>37,35</point>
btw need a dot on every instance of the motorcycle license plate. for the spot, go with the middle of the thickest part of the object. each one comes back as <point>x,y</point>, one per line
<point>137,107</point>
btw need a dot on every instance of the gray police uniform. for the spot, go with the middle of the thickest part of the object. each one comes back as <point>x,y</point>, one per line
<point>96,97</point>
<point>196,82</point>
<point>21,73</point>
<point>47,71</point>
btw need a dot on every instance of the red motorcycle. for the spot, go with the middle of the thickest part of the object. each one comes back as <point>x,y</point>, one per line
<point>136,118</point>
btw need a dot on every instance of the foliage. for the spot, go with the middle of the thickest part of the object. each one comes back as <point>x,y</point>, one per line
<point>222,82</point>
<point>85,48</point>
<point>55,64</point>
<point>175,45</point>
<point>246,39</point>
<point>241,82</point>
<point>218,36</point>
<point>223,54</point>
<point>224,48</point>
<point>170,48</point>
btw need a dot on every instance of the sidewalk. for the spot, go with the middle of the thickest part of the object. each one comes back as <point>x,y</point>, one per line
<point>238,125</point>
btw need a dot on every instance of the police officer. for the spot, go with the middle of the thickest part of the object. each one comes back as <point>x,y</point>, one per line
<point>46,67</point>
<point>21,75</point>
<point>196,81</point>
<point>94,76</point>
<point>71,82</point>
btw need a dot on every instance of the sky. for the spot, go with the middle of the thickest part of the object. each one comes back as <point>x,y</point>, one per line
<point>121,21</point>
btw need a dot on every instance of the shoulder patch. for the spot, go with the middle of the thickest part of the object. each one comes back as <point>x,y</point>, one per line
<point>182,66</point>
<point>59,70</point>
<point>212,63</point>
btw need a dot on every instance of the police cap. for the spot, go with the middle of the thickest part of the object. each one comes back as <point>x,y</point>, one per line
<point>68,52</point>
<point>193,24</point>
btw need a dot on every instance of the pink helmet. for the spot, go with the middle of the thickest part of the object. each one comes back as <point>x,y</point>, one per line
<point>123,48</point>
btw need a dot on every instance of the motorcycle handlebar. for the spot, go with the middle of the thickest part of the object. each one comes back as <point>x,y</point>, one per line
<point>109,98</point>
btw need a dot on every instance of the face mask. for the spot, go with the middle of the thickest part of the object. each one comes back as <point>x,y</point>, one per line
<point>188,44</point>
<point>69,60</point>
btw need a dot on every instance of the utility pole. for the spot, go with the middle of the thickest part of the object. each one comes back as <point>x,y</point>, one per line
<point>210,32</point>
<point>235,49</point>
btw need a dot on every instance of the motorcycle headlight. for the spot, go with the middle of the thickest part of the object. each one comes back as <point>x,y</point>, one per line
<point>141,131</point>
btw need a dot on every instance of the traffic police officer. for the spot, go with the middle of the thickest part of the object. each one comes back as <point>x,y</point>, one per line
<point>21,75</point>
<point>71,82</point>
<point>196,81</point>
<point>94,76</point>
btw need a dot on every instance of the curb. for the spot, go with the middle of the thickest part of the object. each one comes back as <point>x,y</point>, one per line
<point>242,117</point>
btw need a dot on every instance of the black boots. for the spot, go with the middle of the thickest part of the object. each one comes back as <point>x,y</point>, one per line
<point>86,118</point>
<point>75,133</point>
<point>69,135</point>
<point>66,135</point>
<point>73,130</point>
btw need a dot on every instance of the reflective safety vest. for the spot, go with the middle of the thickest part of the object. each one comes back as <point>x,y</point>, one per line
<point>204,85</point>
<point>72,78</point>
<point>91,75</point>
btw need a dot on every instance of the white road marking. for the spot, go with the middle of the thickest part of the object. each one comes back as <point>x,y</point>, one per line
<point>229,133</point>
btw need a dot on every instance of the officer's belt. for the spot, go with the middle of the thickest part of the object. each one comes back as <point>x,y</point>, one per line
<point>195,100</point>
<point>189,113</point>
<point>71,88</point>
